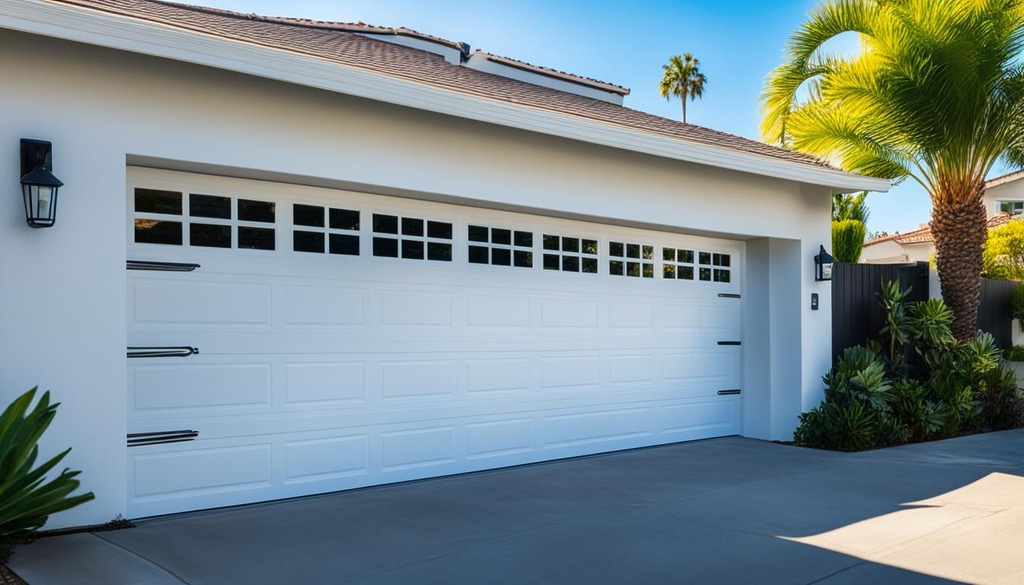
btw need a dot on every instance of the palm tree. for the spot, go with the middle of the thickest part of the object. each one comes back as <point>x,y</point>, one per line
<point>682,79</point>
<point>935,93</point>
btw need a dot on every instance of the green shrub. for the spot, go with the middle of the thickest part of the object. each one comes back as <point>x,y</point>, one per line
<point>1003,254</point>
<point>1015,353</point>
<point>26,498</point>
<point>848,239</point>
<point>967,387</point>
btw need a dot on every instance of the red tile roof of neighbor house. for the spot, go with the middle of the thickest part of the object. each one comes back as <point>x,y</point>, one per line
<point>338,42</point>
<point>924,234</point>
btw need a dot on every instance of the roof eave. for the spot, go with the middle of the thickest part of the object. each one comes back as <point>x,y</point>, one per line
<point>119,32</point>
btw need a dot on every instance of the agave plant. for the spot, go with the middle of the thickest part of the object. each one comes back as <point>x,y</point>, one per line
<point>27,499</point>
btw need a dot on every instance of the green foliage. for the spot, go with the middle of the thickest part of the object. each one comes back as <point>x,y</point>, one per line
<point>1003,255</point>
<point>848,240</point>
<point>26,498</point>
<point>1017,304</point>
<point>967,386</point>
<point>1015,354</point>
<point>847,206</point>
<point>682,78</point>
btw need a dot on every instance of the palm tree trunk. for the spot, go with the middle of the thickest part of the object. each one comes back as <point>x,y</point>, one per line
<point>684,108</point>
<point>958,224</point>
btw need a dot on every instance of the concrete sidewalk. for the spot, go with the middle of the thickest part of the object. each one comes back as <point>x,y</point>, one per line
<point>729,511</point>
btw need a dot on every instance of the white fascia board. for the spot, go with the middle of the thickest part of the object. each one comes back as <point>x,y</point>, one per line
<point>104,29</point>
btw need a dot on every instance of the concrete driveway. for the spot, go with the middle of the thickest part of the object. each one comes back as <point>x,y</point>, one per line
<point>726,510</point>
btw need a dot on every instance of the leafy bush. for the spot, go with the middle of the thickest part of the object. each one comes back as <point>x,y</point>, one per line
<point>872,400</point>
<point>848,239</point>
<point>1003,254</point>
<point>1015,354</point>
<point>26,498</point>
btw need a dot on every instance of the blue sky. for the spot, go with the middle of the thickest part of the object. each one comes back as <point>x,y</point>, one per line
<point>624,42</point>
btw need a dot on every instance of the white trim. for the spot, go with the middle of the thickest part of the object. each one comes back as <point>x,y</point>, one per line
<point>79,24</point>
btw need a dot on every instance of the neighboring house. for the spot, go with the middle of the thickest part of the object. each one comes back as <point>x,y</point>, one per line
<point>1005,194</point>
<point>915,246</point>
<point>413,259</point>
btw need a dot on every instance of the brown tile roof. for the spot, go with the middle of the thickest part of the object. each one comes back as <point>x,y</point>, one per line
<point>337,43</point>
<point>924,234</point>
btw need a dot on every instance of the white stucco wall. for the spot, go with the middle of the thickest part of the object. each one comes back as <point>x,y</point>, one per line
<point>62,307</point>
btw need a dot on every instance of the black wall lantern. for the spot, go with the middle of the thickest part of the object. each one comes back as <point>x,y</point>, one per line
<point>38,185</point>
<point>823,264</point>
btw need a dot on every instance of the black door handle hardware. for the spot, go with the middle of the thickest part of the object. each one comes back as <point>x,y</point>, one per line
<point>155,352</point>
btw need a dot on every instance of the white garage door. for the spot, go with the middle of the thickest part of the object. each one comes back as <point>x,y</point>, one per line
<point>347,339</point>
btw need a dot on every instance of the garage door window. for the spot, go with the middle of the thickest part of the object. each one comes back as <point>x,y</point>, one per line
<point>570,254</point>
<point>411,238</point>
<point>322,229</point>
<point>500,246</point>
<point>629,259</point>
<point>677,264</point>
<point>164,217</point>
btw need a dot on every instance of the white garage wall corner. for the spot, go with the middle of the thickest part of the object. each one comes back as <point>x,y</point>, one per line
<point>62,298</point>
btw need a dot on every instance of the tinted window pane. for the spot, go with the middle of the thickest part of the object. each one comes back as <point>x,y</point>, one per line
<point>438,251</point>
<point>705,274</point>
<point>685,256</point>
<point>570,244</point>
<point>633,269</point>
<point>668,254</point>
<point>590,265</point>
<point>724,260</point>
<point>501,257</point>
<point>648,252</point>
<point>412,249</point>
<point>439,229</point>
<point>705,258</point>
<point>255,238</point>
<point>648,270</point>
<point>478,233</point>
<point>616,268</point>
<point>156,201</point>
<point>385,247</point>
<point>616,249</point>
<point>256,211</point>
<point>685,273</point>
<point>721,276</point>
<point>668,271</point>
<point>551,242</point>
<point>499,236</point>
<point>344,219</point>
<point>524,259</point>
<point>524,239</point>
<point>412,226</point>
<point>344,244</point>
<point>209,206</point>
<point>590,246</point>
<point>311,215</point>
<point>570,264</point>
<point>149,231</point>
<point>479,255</point>
<point>385,224</point>
<point>632,250</point>
<point>552,261</point>
<point>308,241</point>
<point>210,236</point>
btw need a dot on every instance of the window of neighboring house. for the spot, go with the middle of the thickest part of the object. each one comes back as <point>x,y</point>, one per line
<point>1011,207</point>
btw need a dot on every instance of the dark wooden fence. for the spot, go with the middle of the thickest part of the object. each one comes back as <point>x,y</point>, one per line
<point>994,310</point>
<point>856,313</point>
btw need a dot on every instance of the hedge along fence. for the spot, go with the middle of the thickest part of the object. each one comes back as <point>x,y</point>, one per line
<point>857,315</point>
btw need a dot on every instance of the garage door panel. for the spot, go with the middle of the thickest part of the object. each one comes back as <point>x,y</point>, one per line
<point>188,386</point>
<point>191,304</point>
<point>322,383</point>
<point>321,371</point>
